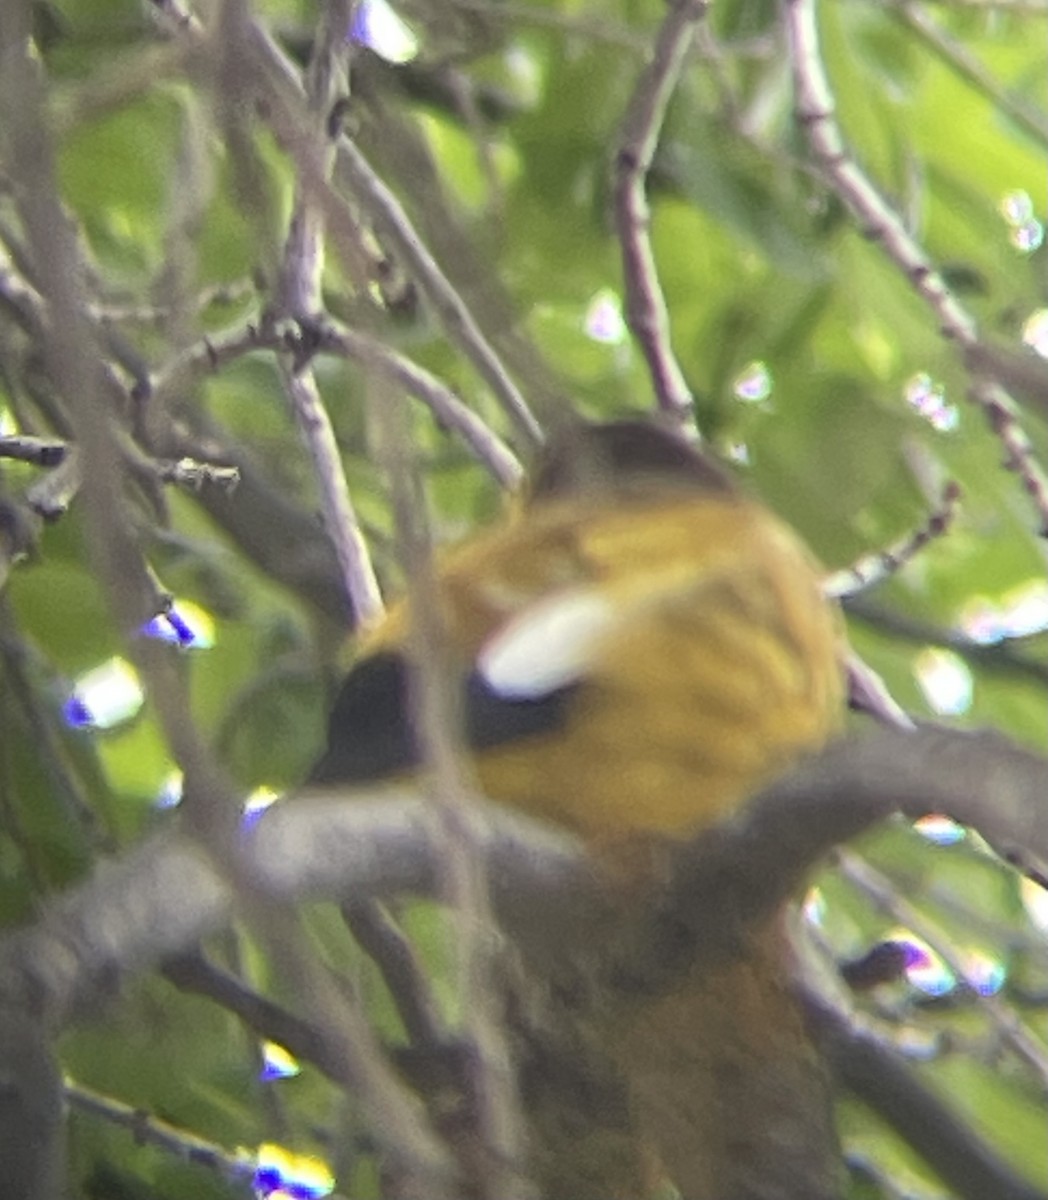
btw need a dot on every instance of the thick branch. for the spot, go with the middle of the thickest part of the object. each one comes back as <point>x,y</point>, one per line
<point>167,894</point>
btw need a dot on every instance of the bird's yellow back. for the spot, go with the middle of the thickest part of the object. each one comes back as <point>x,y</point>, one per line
<point>707,659</point>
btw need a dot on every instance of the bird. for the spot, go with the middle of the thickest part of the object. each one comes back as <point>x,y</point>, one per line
<point>639,647</point>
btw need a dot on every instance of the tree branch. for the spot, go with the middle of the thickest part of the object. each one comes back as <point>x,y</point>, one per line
<point>881,1079</point>
<point>879,221</point>
<point>645,304</point>
<point>168,893</point>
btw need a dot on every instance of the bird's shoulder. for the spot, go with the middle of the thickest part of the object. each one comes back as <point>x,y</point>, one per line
<point>565,549</point>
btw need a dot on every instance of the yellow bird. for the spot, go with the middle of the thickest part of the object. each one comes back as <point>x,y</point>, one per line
<point>641,648</point>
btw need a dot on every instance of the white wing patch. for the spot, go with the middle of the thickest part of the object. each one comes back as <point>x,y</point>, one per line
<point>548,646</point>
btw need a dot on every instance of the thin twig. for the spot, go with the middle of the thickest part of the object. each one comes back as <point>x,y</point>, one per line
<point>463,870</point>
<point>394,226</point>
<point>278,79</point>
<point>996,656</point>
<point>298,296</point>
<point>20,296</point>
<point>358,574</point>
<point>880,222</point>
<point>284,93</point>
<point>178,16</point>
<point>645,304</point>
<point>83,382</point>
<point>447,408</point>
<point>237,1166</point>
<point>206,357</point>
<point>51,494</point>
<point>959,59</point>
<point>298,290</point>
<point>192,474</point>
<point>218,295</point>
<point>384,942</point>
<point>877,888</point>
<point>874,569</point>
<point>193,972</point>
<point>883,1080</point>
<point>868,693</point>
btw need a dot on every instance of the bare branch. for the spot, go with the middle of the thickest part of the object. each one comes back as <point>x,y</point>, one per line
<point>85,384</point>
<point>880,222</point>
<point>873,569</point>
<point>645,303</point>
<point>166,894</point>
<point>966,66</point>
<point>868,693</point>
<point>392,223</point>
<point>298,296</point>
<point>277,78</point>
<point>237,1166</point>
<point>447,408</point>
<point>878,889</point>
<point>456,833</point>
<point>340,515</point>
<point>384,942</point>
<point>209,355</point>
<point>880,1078</point>
<point>354,1058</point>
<point>279,81</point>
<point>1001,656</point>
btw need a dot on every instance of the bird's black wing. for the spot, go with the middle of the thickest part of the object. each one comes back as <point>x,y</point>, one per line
<point>370,734</point>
